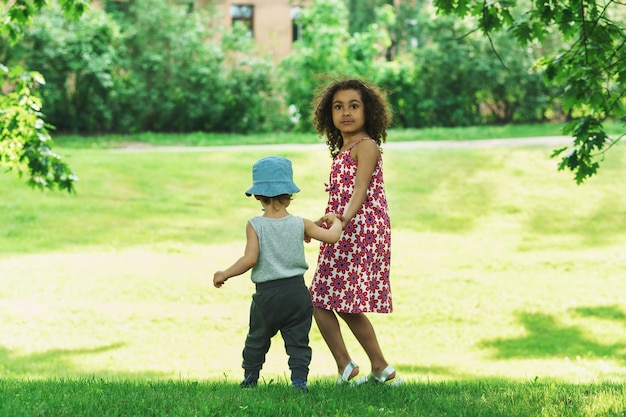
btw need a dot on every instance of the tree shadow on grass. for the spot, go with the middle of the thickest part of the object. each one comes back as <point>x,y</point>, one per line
<point>546,337</point>
<point>599,228</point>
<point>60,363</point>
<point>603,312</point>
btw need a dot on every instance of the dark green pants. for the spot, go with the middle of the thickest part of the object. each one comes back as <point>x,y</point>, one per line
<point>283,305</point>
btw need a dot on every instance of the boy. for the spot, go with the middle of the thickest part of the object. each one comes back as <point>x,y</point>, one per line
<point>275,253</point>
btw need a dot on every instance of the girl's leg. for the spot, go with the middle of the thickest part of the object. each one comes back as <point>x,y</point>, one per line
<point>364,332</point>
<point>331,332</point>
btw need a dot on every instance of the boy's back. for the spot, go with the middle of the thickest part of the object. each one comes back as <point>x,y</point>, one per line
<point>281,248</point>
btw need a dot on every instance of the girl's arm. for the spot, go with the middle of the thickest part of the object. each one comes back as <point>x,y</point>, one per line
<point>243,264</point>
<point>331,235</point>
<point>366,155</point>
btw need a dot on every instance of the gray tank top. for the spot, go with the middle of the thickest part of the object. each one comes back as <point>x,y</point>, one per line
<point>281,248</point>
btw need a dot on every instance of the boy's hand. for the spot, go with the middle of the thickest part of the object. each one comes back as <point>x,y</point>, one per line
<point>330,218</point>
<point>219,278</point>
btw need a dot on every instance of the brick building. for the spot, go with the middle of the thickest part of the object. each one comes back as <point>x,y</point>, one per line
<point>271,22</point>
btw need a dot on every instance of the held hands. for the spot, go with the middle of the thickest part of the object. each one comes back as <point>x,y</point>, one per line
<point>331,218</point>
<point>327,221</point>
<point>219,278</point>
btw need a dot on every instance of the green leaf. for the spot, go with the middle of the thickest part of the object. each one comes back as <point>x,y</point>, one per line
<point>522,31</point>
<point>446,6</point>
<point>558,152</point>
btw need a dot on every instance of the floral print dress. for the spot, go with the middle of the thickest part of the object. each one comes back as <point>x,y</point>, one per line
<point>352,275</point>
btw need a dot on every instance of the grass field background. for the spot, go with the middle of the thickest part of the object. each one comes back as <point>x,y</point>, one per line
<point>502,267</point>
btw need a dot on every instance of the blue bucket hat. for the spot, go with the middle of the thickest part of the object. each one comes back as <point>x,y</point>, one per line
<point>272,176</point>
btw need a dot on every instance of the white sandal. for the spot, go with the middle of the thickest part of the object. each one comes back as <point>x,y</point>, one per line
<point>344,378</point>
<point>383,377</point>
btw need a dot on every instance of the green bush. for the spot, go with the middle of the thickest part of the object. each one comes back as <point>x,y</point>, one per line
<point>151,67</point>
<point>455,77</point>
<point>171,77</point>
<point>77,59</point>
<point>154,66</point>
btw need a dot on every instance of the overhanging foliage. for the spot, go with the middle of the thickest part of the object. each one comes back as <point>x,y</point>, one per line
<point>589,68</point>
<point>25,144</point>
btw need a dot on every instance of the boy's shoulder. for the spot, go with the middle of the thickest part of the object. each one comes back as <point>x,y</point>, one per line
<point>289,217</point>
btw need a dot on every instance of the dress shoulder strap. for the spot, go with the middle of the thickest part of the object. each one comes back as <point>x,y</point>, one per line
<point>359,141</point>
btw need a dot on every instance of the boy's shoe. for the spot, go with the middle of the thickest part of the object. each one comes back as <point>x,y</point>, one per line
<point>300,384</point>
<point>249,382</point>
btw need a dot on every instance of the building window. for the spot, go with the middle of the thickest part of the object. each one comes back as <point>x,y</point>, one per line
<point>243,14</point>
<point>296,25</point>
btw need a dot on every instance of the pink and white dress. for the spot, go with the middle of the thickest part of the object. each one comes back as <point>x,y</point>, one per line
<point>352,275</point>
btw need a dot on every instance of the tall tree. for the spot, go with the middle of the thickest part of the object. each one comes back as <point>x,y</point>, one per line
<point>25,144</point>
<point>589,69</point>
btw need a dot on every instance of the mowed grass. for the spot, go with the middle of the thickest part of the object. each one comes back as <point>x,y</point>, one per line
<point>98,397</point>
<point>508,284</point>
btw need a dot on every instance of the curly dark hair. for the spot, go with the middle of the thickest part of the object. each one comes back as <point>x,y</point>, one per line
<point>377,112</point>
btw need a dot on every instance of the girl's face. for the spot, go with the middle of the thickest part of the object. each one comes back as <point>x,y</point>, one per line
<point>348,112</point>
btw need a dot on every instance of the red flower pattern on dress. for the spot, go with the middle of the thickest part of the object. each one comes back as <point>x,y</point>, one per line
<point>342,264</point>
<point>353,278</point>
<point>344,247</point>
<point>352,275</point>
<point>325,270</point>
<point>321,288</point>
<point>334,302</point>
<point>338,284</point>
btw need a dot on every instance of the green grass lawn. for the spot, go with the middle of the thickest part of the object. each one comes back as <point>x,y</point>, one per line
<point>508,284</point>
<point>397,135</point>
<point>98,397</point>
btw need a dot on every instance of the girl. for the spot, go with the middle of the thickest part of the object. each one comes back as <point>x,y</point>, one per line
<point>352,275</point>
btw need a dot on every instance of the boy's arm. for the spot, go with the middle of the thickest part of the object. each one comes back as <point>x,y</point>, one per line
<point>330,235</point>
<point>243,264</point>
